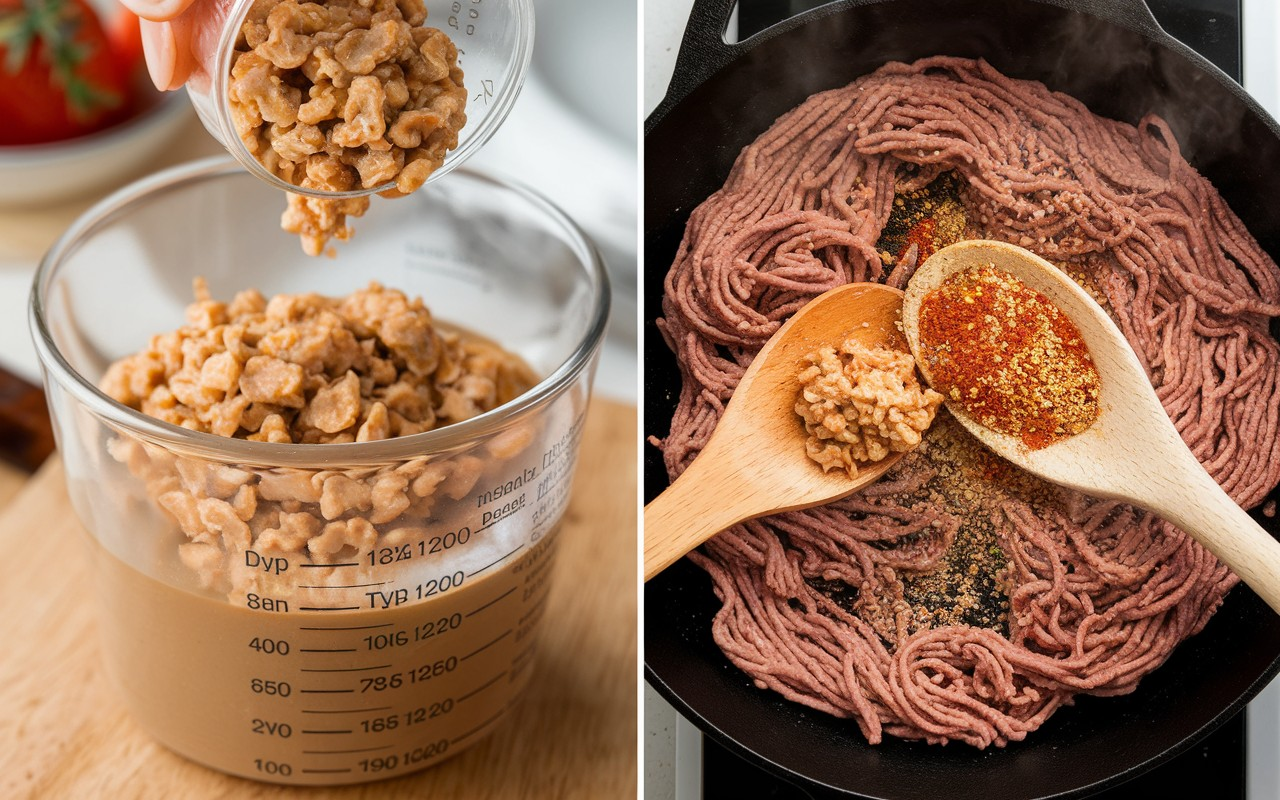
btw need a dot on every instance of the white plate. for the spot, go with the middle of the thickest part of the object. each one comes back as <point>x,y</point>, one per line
<point>32,175</point>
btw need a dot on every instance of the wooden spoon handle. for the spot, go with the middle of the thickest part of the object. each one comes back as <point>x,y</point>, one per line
<point>1213,519</point>
<point>702,502</point>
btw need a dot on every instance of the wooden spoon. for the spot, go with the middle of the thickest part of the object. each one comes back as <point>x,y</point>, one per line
<point>1131,452</point>
<point>755,462</point>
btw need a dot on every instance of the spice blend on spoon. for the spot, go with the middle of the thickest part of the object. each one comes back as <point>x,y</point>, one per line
<point>1008,356</point>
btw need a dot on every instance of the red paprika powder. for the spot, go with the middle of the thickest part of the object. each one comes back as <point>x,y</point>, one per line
<point>1008,356</point>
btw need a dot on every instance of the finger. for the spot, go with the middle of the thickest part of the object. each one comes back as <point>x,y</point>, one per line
<point>157,10</point>
<point>179,50</point>
<point>161,48</point>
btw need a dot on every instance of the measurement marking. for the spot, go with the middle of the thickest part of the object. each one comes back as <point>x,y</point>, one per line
<point>534,610</point>
<point>491,602</point>
<point>346,586</point>
<point>487,646</point>
<point>326,771</point>
<point>499,561</point>
<point>327,691</point>
<point>343,752</point>
<point>480,689</point>
<point>329,650</point>
<point>461,274</point>
<point>325,608</point>
<point>355,628</point>
<point>346,731</point>
<point>345,710</point>
<point>349,669</point>
<point>479,727</point>
<point>322,566</point>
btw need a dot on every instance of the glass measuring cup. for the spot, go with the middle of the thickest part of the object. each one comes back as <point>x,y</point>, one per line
<point>304,663</point>
<point>495,44</point>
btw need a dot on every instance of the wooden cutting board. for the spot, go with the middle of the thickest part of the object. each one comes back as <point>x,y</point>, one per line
<point>64,734</point>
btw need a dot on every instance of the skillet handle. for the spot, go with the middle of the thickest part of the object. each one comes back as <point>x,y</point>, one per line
<point>704,34</point>
<point>703,52</point>
<point>1135,14</point>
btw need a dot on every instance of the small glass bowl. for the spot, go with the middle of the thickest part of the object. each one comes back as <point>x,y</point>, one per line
<point>495,44</point>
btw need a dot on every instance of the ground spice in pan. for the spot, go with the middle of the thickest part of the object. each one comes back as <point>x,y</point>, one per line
<point>928,218</point>
<point>1008,356</point>
<point>970,585</point>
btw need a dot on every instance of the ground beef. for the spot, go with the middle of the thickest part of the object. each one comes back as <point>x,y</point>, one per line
<point>817,604</point>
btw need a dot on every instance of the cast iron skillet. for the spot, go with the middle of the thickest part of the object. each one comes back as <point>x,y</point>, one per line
<point>1112,55</point>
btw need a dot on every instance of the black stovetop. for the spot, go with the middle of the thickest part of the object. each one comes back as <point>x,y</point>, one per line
<point>1215,767</point>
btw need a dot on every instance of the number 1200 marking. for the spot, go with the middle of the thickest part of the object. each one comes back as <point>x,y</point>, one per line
<point>442,584</point>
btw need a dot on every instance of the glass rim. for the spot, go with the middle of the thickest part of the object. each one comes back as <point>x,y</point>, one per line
<point>475,138</point>
<point>444,439</point>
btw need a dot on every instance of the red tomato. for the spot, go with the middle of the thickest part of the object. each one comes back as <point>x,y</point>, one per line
<point>125,35</point>
<point>59,77</point>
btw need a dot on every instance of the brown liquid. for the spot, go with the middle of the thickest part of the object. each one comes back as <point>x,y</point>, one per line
<point>309,697</point>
